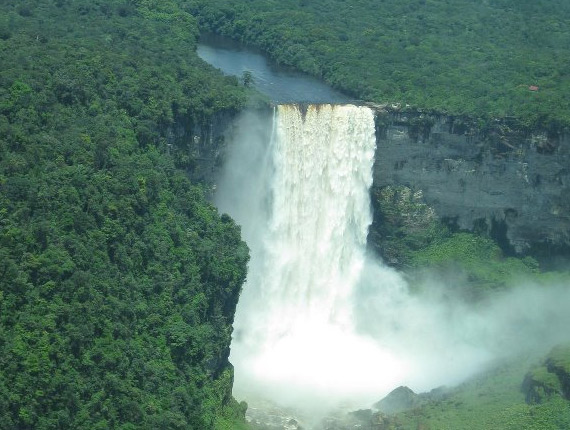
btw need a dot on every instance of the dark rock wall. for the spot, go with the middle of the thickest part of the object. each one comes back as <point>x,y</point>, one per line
<point>514,185</point>
<point>199,144</point>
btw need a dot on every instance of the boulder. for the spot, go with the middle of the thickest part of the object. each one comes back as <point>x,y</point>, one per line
<point>400,399</point>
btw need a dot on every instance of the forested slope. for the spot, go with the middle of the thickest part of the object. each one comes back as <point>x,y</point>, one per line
<point>118,281</point>
<point>462,57</point>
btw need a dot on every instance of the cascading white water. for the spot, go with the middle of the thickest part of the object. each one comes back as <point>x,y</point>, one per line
<point>294,324</point>
<point>320,215</point>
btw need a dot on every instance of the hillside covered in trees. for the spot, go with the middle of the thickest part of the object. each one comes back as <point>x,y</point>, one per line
<point>118,281</point>
<point>488,59</point>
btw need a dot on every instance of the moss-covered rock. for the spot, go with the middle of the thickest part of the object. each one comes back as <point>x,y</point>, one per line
<point>403,223</point>
<point>539,384</point>
<point>479,258</point>
<point>550,378</point>
<point>558,362</point>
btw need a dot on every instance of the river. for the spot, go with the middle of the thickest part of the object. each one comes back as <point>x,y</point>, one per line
<point>279,84</point>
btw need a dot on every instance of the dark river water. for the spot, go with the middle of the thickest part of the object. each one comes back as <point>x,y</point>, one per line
<point>279,84</point>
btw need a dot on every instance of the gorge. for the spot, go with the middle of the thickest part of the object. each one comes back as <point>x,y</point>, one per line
<point>320,320</point>
<point>426,168</point>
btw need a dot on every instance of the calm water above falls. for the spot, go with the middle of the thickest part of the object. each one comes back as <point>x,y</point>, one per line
<point>279,84</point>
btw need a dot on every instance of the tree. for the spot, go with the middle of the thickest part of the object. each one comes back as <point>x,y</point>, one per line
<point>247,78</point>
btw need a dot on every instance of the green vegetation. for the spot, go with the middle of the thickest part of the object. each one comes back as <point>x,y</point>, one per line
<point>541,384</point>
<point>403,224</point>
<point>407,234</point>
<point>463,57</point>
<point>551,378</point>
<point>118,281</point>
<point>478,257</point>
<point>473,263</point>
<point>490,402</point>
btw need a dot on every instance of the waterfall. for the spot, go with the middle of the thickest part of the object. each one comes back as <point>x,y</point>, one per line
<point>320,215</point>
<point>294,324</point>
<point>318,321</point>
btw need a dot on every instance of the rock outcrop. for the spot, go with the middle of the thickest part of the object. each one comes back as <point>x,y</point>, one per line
<point>512,184</point>
<point>552,377</point>
<point>198,144</point>
<point>400,399</point>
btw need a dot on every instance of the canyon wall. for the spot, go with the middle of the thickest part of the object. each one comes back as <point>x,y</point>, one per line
<point>512,185</point>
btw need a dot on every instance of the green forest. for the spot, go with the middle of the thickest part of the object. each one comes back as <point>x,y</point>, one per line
<point>118,280</point>
<point>460,57</point>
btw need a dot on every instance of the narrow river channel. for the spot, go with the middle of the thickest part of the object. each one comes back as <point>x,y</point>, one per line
<point>281,85</point>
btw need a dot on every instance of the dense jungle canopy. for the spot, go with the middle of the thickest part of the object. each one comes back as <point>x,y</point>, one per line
<point>463,57</point>
<point>118,281</point>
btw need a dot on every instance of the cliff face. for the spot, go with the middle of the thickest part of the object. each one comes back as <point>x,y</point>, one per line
<point>512,185</point>
<point>198,144</point>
